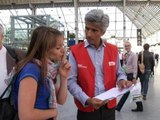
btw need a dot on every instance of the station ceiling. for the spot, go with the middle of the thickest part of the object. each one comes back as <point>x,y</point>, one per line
<point>145,14</point>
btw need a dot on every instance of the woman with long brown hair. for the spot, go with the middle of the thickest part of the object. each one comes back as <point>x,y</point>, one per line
<point>36,90</point>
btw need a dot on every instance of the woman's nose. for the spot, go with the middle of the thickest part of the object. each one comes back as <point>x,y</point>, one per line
<point>63,50</point>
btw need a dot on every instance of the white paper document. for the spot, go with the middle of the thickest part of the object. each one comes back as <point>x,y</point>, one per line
<point>113,93</point>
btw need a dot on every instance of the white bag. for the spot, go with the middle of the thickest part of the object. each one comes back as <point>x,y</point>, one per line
<point>136,93</point>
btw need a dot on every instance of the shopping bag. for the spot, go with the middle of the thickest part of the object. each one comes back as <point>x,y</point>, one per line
<point>135,92</point>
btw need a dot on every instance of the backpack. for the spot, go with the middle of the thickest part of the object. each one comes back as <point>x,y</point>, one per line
<point>7,109</point>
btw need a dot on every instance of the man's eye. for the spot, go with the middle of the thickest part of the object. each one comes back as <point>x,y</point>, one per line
<point>94,30</point>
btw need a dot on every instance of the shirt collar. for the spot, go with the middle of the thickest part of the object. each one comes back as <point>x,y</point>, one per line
<point>86,43</point>
<point>128,53</point>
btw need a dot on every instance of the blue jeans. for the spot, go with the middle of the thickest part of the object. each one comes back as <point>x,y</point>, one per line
<point>144,79</point>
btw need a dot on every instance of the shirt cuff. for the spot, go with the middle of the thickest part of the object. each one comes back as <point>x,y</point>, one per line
<point>83,100</point>
<point>121,78</point>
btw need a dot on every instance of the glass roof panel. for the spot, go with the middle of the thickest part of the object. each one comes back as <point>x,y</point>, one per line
<point>141,16</point>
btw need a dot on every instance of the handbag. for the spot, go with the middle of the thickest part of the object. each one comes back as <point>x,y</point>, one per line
<point>7,109</point>
<point>141,65</point>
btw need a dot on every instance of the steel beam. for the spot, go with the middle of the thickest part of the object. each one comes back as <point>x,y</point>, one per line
<point>71,4</point>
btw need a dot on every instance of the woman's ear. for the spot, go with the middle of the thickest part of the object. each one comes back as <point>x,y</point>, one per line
<point>103,32</point>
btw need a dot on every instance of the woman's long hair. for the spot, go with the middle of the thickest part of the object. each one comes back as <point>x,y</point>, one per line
<point>43,39</point>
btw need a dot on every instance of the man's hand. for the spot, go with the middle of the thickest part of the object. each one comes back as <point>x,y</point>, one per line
<point>96,103</point>
<point>134,81</point>
<point>124,84</point>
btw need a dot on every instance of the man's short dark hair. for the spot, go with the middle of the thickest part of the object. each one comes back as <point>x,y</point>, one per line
<point>146,46</point>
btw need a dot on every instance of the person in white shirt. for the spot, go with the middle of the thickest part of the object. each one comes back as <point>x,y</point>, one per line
<point>3,66</point>
<point>7,61</point>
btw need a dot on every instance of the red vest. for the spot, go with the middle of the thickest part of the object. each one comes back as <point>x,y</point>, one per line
<point>86,72</point>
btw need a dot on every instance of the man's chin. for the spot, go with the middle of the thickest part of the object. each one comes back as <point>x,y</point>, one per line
<point>90,41</point>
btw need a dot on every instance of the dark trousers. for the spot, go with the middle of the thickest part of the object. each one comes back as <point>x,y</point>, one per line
<point>122,101</point>
<point>101,114</point>
<point>125,96</point>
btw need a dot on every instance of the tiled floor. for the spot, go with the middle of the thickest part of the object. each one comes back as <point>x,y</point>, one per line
<point>151,105</point>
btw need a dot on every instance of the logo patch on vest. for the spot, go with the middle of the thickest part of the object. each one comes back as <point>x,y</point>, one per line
<point>111,63</point>
<point>81,66</point>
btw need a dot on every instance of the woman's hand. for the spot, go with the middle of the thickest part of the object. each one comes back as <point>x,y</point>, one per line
<point>64,69</point>
<point>55,112</point>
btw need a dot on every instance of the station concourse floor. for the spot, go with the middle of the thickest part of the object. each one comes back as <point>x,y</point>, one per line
<point>151,105</point>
